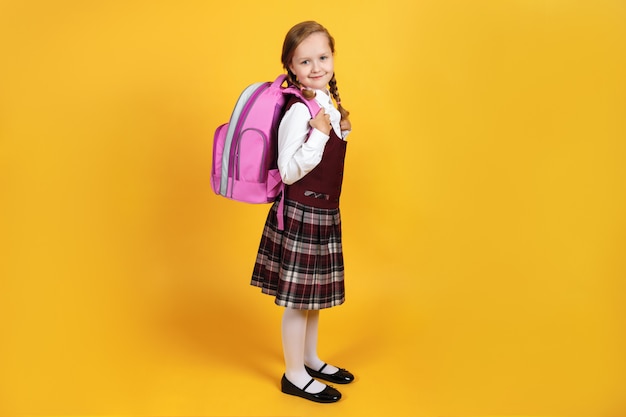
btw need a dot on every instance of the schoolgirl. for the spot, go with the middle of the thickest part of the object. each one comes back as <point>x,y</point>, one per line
<point>302,266</point>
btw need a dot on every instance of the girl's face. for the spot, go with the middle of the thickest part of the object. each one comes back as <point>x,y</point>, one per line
<point>312,62</point>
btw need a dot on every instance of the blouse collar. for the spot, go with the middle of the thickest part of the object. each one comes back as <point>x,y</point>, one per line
<point>323,98</point>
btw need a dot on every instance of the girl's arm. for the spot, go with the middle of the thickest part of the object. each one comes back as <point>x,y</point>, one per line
<point>297,155</point>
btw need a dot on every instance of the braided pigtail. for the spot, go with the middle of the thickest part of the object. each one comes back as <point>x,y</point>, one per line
<point>335,93</point>
<point>306,92</point>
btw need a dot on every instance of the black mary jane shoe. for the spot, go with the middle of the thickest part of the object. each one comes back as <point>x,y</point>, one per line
<point>340,377</point>
<point>327,395</point>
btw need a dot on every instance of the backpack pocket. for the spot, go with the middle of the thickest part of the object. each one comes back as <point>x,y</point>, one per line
<point>251,155</point>
<point>218,153</point>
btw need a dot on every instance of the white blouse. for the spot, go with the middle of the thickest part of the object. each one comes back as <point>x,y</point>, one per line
<point>297,156</point>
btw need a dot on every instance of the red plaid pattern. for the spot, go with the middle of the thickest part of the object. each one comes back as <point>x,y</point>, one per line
<point>302,266</point>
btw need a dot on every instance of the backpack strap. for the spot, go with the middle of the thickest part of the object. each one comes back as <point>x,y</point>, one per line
<point>313,109</point>
<point>310,103</point>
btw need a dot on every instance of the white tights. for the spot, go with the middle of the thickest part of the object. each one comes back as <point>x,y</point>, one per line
<point>299,331</point>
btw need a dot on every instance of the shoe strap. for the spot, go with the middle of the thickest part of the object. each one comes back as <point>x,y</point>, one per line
<point>307,385</point>
<point>322,368</point>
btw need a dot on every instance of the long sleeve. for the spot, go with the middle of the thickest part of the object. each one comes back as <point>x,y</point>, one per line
<point>297,155</point>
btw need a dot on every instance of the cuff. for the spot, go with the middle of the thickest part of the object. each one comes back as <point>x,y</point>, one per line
<point>317,139</point>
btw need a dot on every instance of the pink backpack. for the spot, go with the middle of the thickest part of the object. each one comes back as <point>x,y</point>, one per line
<point>245,148</point>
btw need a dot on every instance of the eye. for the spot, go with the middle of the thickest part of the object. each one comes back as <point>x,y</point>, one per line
<point>324,57</point>
<point>305,62</point>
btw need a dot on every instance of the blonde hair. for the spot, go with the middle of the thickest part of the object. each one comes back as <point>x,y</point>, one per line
<point>294,37</point>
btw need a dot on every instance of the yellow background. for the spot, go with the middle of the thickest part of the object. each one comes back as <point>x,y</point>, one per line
<point>484,209</point>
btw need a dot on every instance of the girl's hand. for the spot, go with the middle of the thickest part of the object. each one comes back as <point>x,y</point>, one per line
<point>321,122</point>
<point>345,125</point>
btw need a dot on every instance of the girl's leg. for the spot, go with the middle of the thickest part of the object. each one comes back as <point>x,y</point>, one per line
<point>310,344</point>
<point>294,330</point>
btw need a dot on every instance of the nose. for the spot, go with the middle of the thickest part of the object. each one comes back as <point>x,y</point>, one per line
<point>316,66</point>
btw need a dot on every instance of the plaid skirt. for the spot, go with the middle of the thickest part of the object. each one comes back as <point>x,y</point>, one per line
<point>302,266</point>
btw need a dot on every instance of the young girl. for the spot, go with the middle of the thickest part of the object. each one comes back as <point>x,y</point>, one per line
<point>302,265</point>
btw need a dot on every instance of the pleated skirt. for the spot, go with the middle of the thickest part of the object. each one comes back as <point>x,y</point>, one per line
<point>301,266</point>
